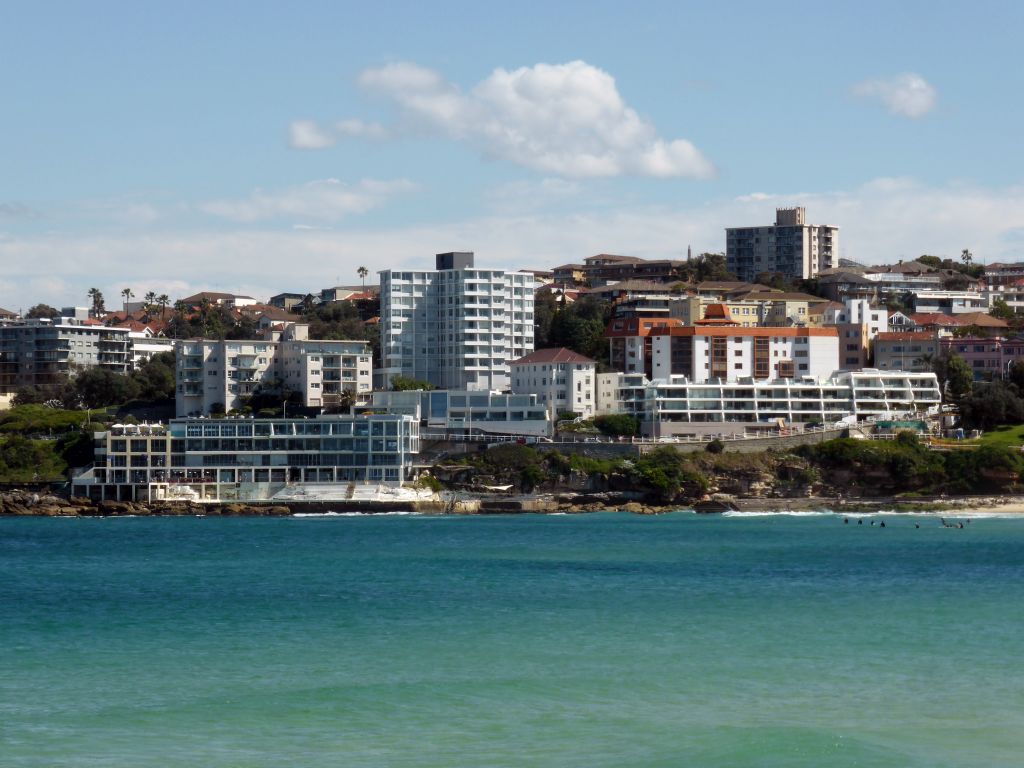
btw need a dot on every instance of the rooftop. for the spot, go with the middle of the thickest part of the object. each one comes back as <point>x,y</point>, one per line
<point>553,355</point>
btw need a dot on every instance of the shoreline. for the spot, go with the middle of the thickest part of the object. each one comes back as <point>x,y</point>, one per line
<point>31,504</point>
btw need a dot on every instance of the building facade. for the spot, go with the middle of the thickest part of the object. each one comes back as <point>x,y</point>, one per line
<point>790,247</point>
<point>563,380</point>
<point>468,412</point>
<point>217,375</point>
<point>676,406</point>
<point>44,351</point>
<point>216,460</point>
<point>906,350</point>
<point>455,327</point>
<point>858,323</point>
<point>727,353</point>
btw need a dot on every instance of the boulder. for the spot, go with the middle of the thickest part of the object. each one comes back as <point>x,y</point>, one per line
<point>110,507</point>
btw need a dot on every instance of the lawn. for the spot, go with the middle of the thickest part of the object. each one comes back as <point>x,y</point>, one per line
<point>1008,435</point>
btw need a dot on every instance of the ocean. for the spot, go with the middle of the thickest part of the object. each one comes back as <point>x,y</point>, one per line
<point>590,640</point>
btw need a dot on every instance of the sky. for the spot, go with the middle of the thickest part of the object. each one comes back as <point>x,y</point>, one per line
<point>257,147</point>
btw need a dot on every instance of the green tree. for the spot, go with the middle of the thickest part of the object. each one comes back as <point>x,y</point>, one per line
<point>545,305</point>
<point>990,405</point>
<point>150,299</point>
<point>162,301</point>
<point>96,298</point>
<point>960,377</point>
<point>128,296</point>
<point>155,378</point>
<point>99,387</point>
<point>617,424</point>
<point>1001,310</point>
<point>363,272</point>
<point>41,311</point>
<point>1015,374</point>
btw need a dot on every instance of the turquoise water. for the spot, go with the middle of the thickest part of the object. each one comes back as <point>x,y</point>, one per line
<point>597,640</point>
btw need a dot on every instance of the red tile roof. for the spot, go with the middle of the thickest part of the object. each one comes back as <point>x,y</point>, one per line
<point>555,355</point>
<point>905,336</point>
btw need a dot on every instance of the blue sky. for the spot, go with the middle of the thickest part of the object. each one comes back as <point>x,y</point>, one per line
<point>262,147</point>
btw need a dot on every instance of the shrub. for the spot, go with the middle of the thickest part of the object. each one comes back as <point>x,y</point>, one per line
<point>665,472</point>
<point>617,424</point>
<point>715,446</point>
<point>429,482</point>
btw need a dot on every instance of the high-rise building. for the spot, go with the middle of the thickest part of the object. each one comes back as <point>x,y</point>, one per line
<point>790,247</point>
<point>456,327</point>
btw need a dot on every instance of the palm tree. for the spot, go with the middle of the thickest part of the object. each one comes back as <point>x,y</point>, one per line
<point>363,272</point>
<point>150,299</point>
<point>162,301</point>
<point>97,301</point>
<point>128,295</point>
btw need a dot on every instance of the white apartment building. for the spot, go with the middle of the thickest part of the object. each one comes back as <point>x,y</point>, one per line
<point>729,352</point>
<point>790,247</point>
<point>563,380</point>
<point>145,344</point>
<point>221,373</point>
<point>456,327</point>
<point>858,324</point>
<point>951,302</point>
<point>608,393</point>
<point>462,412</point>
<point>677,406</point>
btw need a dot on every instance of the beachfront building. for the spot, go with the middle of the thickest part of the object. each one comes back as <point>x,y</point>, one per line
<point>790,247</point>
<point>216,375</point>
<point>563,380</point>
<point>42,351</point>
<point>456,327</point>
<point>679,406</point>
<point>729,352</point>
<point>217,460</point>
<point>444,413</point>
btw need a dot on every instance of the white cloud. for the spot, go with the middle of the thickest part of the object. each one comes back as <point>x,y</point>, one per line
<point>904,95</point>
<point>325,200</point>
<point>360,129</point>
<point>306,134</point>
<point>563,119</point>
<point>881,221</point>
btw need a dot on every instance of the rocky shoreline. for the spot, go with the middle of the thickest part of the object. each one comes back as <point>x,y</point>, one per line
<point>26,503</point>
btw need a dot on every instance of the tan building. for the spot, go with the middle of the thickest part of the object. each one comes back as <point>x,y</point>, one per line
<point>906,351</point>
<point>790,247</point>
